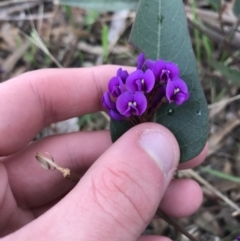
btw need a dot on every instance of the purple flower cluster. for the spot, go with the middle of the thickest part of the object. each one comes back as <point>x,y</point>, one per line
<point>138,95</point>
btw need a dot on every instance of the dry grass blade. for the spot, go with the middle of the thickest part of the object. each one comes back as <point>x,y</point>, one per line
<point>97,50</point>
<point>215,139</point>
<point>207,15</point>
<point>218,108</point>
<point>26,18</point>
<point>117,27</point>
<point>18,8</point>
<point>11,61</point>
<point>106,116</point>
<point>224,102</point>
<point>202,181</point>
<point>9,2</point>
<point>214,35</point>
<point>36,39</point>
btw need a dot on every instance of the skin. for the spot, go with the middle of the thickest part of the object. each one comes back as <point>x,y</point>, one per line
<point>121,185</point>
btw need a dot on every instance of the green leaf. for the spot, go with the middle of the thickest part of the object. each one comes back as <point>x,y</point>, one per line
<point>118,128</point>
<point>232,75</point>
<point>236,8</point>
<point>160,31</point>
<point>102,5</point>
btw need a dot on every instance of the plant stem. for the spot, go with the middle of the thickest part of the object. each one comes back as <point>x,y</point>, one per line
<point>175,225</point>
<point>70,175</point>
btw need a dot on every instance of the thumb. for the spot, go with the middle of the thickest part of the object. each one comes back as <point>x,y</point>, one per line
<point>118,196</point>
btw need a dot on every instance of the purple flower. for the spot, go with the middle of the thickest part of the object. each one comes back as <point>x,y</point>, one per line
<point>111,107</point>
<point>140,61</point>
<point>150,64</point>
<point>238,238</point>
<point>114,114</point>
<point>140,81</point>
<point>164,71</point>
<point>144,90</point>
<point>123,74</point>
<point>116,86</point>
<point>107,102</point>
<point>131,103</point>
<point>177,91</point>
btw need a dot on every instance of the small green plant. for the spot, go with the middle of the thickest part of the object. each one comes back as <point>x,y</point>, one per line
<point>90,18</point>
<point>105,42</point>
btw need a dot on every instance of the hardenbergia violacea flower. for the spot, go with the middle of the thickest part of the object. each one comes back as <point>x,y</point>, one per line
<point>136,96</point>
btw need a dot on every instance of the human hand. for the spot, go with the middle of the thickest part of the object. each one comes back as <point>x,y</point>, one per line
<point>122,184</point>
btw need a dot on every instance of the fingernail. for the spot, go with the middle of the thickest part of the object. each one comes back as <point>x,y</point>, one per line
<point>160,148</point>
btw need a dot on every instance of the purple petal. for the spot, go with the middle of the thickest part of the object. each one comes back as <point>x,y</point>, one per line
<point>177,91</point>
<point>170,90</point>
<point>140,61</point>
<point>130,103</point>
<point>131,82</point>
<point>123,74</point>
<point>238,238</point>
<point>149,81</point>
<point>150,63</point>
<point>141,101</point>
<point>180,84</point>
<point>173,68</point>
<point>107,102</point>
<point>179,98</point>
<point>122,103</point>
<point>114,114</point>
<point>158,67</point>
<point>115,86</point>
<point>139,85</point>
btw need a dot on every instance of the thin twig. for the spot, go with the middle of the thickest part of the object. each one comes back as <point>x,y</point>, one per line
<point>49,164</point>
<point>70,175</point>
<point>176,225</point>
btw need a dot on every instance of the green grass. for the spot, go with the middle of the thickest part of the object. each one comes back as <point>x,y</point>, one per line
<point>90,18</point>
<point>68,13</point>
<point>221,175</point>
<point>105,42</point>
<point>207,44</point>
<point>197,39</point>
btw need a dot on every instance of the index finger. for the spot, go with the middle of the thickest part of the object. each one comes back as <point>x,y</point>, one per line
<point>33,100</point>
